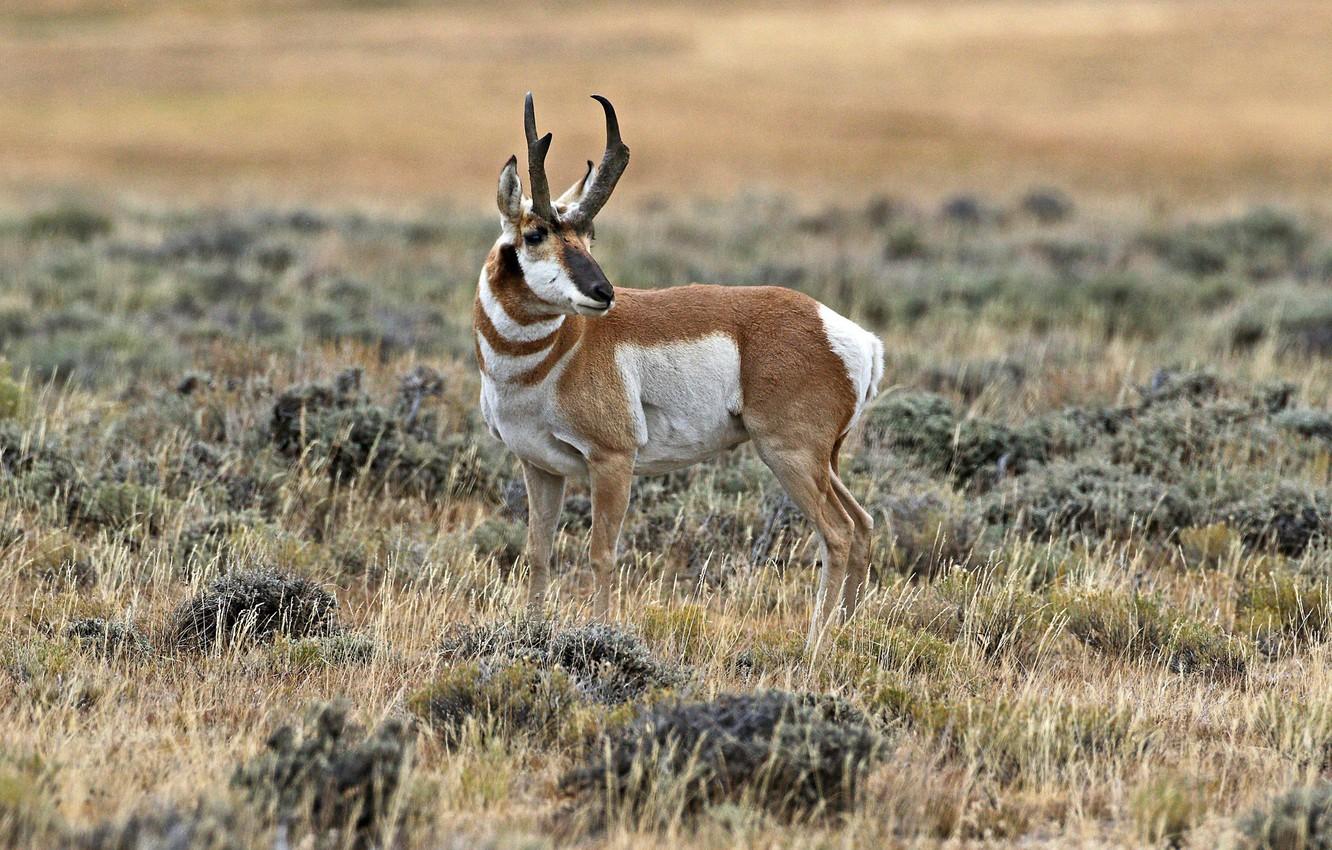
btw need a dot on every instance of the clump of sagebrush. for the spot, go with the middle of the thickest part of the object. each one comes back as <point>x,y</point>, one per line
<point>1046,204</point>
<point>414,388</point>
<point>506,700</point>
<point>1136,628</point>
<point>39,469</point>
<point>1294,319</point>
<point>119,507</point>
<point>254,605</point>
<point>1167,439</point>
<point>205,540</point>
<point>1092,497</point>
<point>1306,422</point>
<point>792,754</point>
<point>970,379</point>
<point>108,637</point>
<point>926,533</point>
<point>206,824</point>
<point>607,663</point>
<point>712,542</point>
<point>966,209</point>
<point>1196,386</point>
<point>1262,242</point>
<point>329,777</point>
<point>973,451</point>
<point>67,222</point>
<point>335,650</point>
<point>499,538</point>
<point>904,241</point>
<point>1300,819</point>
<point>338,429</point>
<point>1283,610</point>
<point>782,522</point>
<point>1288,518</point>
<point>1272,396</point>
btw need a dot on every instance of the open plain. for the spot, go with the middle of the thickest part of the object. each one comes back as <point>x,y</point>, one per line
<point>261,560</point>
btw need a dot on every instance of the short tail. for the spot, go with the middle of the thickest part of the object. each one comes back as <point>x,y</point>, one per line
<point>876,371</point>
<point>862,354</point>
<point>871,377</point>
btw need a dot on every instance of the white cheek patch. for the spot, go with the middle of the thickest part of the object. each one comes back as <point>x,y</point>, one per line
<point>549,281</point>
<point>507,327</point>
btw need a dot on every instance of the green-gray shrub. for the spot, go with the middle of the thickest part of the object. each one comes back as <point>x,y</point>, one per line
<point>329,777</point>
<point>1300,819</point>
<point>793,754</point>
<point>255,605</point>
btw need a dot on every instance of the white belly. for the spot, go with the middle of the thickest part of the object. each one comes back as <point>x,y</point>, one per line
<point>685,400</point>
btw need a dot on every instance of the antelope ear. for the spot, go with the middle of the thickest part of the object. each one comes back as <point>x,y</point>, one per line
<point>509,196</point>
<point>574,193</point>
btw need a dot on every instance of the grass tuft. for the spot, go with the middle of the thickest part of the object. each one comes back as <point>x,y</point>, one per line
<point>792,754</point>
<point>254,605</point>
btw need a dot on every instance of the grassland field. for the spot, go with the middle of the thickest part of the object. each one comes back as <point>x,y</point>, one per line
<point>244,483</point>
<point>262,563</point>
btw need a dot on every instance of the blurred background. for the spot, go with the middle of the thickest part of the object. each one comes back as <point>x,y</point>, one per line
<point>231,100</point>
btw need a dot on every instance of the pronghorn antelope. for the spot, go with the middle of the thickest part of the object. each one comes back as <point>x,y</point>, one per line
<point>581,379</point>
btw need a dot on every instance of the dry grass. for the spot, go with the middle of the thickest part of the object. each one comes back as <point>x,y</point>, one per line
<point>1113,680</point>
<point>1164,98</point>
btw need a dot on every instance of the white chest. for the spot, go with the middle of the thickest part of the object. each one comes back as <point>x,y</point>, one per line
<point>527,421</point>
<point>684,401</point>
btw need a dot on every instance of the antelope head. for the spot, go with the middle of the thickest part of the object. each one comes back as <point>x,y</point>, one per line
<point>552,240</point>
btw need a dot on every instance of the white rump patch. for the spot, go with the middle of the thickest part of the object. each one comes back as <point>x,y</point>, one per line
<point>685,400</point>
<point>860,350</point>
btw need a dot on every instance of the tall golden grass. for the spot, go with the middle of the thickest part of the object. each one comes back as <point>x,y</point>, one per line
<point>1162,98</point>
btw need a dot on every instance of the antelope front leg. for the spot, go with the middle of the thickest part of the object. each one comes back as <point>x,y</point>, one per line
<point>610,478</point>
<point>545,495</point>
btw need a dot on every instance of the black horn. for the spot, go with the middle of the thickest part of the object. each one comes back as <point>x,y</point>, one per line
<point>536,163</point>
<point>613,163</point>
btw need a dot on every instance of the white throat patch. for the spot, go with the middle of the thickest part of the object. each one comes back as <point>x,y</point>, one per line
<point>504,323</point>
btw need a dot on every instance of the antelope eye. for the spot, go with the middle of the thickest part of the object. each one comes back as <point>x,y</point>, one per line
<point>534,237</point>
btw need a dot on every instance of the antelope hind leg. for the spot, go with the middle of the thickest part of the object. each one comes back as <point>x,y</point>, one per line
<point>806,477</point>
<point>857,569</point>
